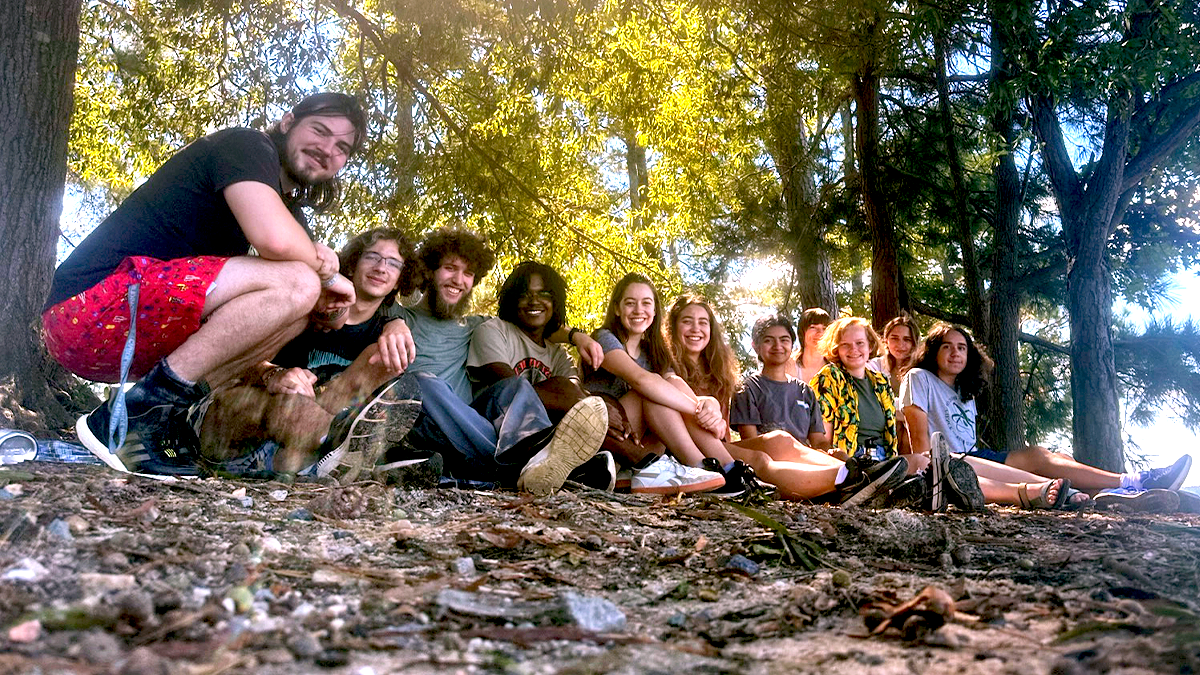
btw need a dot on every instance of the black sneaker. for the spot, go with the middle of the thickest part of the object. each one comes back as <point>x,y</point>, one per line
<point>911,493</point>
<point>862,486</point>
<point>157,437</point>
<point>359,436</point>
<point>599,472</point>
<point>734,485</point>
<point>962,486</point>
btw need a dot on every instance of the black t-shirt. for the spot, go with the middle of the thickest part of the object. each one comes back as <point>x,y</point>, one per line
<point>327,354</point>
<point>179,212</point>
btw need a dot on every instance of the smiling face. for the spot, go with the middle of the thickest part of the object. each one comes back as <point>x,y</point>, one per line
<point>900,343</point>
<point>450,287</point>
<point>316,147</point>
<point>378,270</point>
<point>535,307</point>
<point>812,335</point>
<point>952,355</point>
<point>636,308</point>
<point>853,349</point>
<point>774,346</point>
<point>694,330</point>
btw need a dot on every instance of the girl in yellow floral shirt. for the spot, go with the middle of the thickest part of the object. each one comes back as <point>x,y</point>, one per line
<point>857,404</point>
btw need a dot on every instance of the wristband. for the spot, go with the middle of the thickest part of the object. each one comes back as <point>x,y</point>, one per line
<point>326,283</point>
<point>571,334</point>
<point>271,373</point>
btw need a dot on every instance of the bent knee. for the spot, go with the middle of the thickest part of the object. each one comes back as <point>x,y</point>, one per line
<point>299,284</point>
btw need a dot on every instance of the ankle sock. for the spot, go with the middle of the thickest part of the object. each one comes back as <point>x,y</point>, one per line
<point>170,372</point>
<point>728,467</point>
<point>1131,480</point>
<point>841,475</point>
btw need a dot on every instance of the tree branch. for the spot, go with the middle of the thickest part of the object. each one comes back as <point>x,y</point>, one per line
<point>1153,151</point>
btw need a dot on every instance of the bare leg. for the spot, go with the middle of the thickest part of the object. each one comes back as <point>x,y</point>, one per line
<point>669,426</point>
<point>795,480</point>
<point>1039,460</point>
<point>256,307</point>
<point>781,446</point>
<point>708,444</point>
<point>242,417</point>
<point>353,385</point>
<point>997,492</point>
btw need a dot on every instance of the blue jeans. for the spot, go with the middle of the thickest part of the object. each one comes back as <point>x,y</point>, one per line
<point>489,439</point>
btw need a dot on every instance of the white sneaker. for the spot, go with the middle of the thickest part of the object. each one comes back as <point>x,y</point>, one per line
<point>576,439</point>
<point>668,477</point>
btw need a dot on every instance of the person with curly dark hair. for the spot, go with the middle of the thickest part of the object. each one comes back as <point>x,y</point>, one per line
<point>500,432</point>
<point>938,396</point>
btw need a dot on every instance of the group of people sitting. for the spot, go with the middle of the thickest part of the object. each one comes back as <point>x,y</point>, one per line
<point>300,361</point>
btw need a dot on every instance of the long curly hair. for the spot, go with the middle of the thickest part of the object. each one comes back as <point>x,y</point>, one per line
<point>352,252</point>
<point>517,284</point>
<point>974,378</point>
<point>716,372</point>
<point>653,344</point>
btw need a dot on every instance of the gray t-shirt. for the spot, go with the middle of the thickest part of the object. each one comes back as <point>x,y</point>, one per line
<point>947,412</point>
<point>442,346</point>
<point>769,404</point>
<point>498,341</point>
<point>603,382</point>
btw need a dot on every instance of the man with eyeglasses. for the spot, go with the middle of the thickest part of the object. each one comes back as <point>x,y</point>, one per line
<point>164,292</point>
<point>275,419</point>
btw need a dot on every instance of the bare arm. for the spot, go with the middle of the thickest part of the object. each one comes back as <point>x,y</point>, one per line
<point>650,385</point>
<point>271,228</point>
<point>748,430</point>
<point>918,429</point>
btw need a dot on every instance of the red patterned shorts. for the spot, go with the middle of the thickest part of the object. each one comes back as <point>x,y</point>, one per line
<point>87,333</point>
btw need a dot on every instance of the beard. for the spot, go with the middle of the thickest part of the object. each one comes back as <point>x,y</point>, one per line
<point>440,309</point>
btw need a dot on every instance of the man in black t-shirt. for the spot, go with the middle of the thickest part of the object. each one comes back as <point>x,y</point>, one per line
<point>164,290</point>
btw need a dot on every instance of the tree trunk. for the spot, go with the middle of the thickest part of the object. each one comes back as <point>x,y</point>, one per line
<point>38,50</point>
<point>886,291</point>
<point>1006,412</point>
<point>1096,422</point>
<point>810,256</point>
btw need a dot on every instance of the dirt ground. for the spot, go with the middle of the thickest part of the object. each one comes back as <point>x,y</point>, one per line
<point>103,573</point>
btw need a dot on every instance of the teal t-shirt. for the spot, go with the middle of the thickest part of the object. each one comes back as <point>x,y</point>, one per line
<point>442,346</point>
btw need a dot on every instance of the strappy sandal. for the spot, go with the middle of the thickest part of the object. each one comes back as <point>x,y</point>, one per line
<point>1041,498</point>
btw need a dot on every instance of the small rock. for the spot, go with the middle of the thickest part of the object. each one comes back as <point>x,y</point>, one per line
<point>303,645</point>
<point>242,598</point>
<point>464,567</point>
<point>136,608</point>
<point>840,579</point>
<point>240,550</point>
<point>329,578</point>
<point>275,656</point>
<point>26,569</point>
<point>6,495</point>
<point>332,658</point>
<point>114,560</point>
<point>15,489</point>
<point>278,495</point>
<point>708,595</point>
<point>1026,564</point>
<point>868,659</point>
<point>739,564</point>
<point>300,514</point>
<point>593,542</point>
<point>963,555</point>
<point>946,560</point>
<point>143,661</point>
<point>303,610</point>
<point>98,584</point>
<point>244,502</point>
<point>236,573</point>
<point>271,545</point>
<point>28,631</point>
<point>59,529</point>
<point>78,524</point>
<point>148,514</point>
<point>592,613</point>
<point>97,646</point>
<point>677,620</point>
<point>167,600</point>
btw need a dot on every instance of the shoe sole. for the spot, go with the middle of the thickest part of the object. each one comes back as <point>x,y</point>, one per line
<point>1189,502</point>
<point>423,472</point>
<point>1155,500</point>
<point>938,458</point>
<point>706,486</point>
<point>88,440</point>
<point>884,483</point>
<point>576,439</point>
<point>962,479</point>
<point>389,415</point>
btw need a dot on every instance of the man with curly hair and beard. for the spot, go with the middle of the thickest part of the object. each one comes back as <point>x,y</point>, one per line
<point>501,434</point>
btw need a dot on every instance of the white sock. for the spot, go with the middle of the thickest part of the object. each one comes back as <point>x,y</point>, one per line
<point>841,475</point>
<point>1131,480</point>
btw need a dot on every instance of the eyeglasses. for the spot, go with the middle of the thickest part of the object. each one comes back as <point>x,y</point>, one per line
<point>543,296</point>
<point>372,258</point>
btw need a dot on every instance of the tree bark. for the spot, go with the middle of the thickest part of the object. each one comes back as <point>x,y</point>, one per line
<point>1006,410</point>
<point>38,51</point>
<point>886,285</point>
<point>810,255</point>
